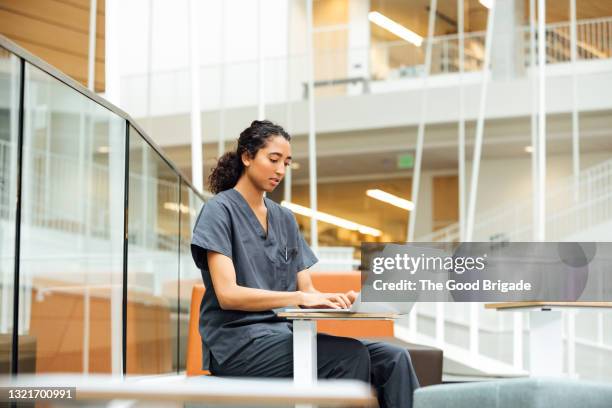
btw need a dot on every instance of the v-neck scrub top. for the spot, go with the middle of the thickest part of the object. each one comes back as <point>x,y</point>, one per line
<point>227,225</point>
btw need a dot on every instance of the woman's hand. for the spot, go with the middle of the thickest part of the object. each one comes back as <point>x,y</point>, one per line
<point>325,300</point>
<point>352,295</point>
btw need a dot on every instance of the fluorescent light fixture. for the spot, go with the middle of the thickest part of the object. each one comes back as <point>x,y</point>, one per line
<point>397,29</point>
<point>487,3</point>
<point>331,219</point>
<point>176,207</point>
<point>390,199</point>
<point>529,149</point>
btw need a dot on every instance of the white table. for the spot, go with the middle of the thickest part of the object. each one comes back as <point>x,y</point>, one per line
<point>175,390</point>
<point>305,340</point>
<point>546,331</point>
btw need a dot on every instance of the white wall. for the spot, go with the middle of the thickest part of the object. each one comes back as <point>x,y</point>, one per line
<point>504,181</point>
<point>229,33</point>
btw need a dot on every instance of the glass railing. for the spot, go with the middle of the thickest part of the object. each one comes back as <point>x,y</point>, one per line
<point>95,227</point>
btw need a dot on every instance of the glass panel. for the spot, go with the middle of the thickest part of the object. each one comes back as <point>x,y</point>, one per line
<point>153,232</point>
<point>190,207</point>
<point>9,110</point>
<point>72,229</point>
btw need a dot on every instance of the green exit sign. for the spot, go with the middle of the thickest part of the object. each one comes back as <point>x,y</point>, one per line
<point>405,161</point>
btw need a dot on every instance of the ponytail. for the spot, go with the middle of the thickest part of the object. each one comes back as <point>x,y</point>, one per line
<point>226,174</point>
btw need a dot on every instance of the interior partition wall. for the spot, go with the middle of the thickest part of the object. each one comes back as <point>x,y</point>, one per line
<point>95,230</point>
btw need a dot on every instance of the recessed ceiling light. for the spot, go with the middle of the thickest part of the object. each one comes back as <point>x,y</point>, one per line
<point>396,28</point>
<point>391,199</point>
<point>331,219</point>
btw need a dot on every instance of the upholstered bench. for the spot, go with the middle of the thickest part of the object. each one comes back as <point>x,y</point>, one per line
<point>514,393</point>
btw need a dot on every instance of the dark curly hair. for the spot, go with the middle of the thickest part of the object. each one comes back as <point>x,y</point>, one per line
<point>229,167</point>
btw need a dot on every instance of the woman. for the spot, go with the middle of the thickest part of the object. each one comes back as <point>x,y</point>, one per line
<point>253,260</point>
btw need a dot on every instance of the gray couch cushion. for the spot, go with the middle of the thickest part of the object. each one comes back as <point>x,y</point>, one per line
<point>517,393</point>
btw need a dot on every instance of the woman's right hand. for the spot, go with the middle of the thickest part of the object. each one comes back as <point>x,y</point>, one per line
<point>316,300</point>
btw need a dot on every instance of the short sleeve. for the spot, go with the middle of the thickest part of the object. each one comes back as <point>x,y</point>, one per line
<point>212,232</point>
<point>305,257</point>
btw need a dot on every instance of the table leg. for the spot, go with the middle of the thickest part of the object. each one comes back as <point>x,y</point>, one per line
<point>304,353</point>
<point>545,343</point>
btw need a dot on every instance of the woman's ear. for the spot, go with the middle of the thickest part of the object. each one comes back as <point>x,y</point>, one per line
<point>246,159</point>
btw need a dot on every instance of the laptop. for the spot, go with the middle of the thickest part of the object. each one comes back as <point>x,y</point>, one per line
<point>400,308</point>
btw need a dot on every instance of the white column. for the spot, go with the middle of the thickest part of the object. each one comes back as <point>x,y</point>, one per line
<point>534,118</point>
<point>416,175</point>
<point>196,118</point>
<point>358,43</point>
<point>575,117</point>
<point>541,225</point>
<point>222,67</point>
<point>480,123</point>
<point>149,93</point>
<point>461,130</point>
<point>261,97</point>
<point>312,148</point>
<point>508,52</point>
<point>91,57</point>
<point>112,80</point>
<point>288,111</point>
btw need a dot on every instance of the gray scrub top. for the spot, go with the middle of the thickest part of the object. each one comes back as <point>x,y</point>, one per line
<point>228,225</point>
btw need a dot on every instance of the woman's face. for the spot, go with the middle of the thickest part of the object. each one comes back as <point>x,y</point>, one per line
<point>267,168</point>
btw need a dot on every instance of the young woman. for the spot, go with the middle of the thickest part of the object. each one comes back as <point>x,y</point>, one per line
<point>253,260</point>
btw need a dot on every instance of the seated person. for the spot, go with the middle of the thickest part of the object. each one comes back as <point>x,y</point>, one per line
<point>253,259</point>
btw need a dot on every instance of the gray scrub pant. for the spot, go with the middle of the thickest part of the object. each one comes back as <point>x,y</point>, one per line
<point>387,367</point>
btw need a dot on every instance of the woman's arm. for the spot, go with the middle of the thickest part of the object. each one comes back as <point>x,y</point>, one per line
<point>234,297</point>
<point>304,282</point>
